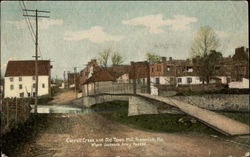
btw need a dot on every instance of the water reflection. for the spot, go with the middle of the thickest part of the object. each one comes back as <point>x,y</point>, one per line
<point>60,109</point>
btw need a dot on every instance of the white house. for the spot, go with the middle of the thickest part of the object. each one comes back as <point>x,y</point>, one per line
<point>188,80</point>
<point>20,78</point>
<point>243,84</point>
<point>123,78</point>
<point>163,80</point>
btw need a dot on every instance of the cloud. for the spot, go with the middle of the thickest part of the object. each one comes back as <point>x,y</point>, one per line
<point>231,40</point>
<point>154,22</point>
<point>94,34</point>
<point>43,23</point>
<point>3,66</point>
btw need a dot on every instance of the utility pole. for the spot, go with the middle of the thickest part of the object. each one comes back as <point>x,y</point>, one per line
<point>1,91</point>
<point>148,78</point>
<point>75,72</point>
<point>64,78</point>
<point>36,51</point>
<point>68,80</point>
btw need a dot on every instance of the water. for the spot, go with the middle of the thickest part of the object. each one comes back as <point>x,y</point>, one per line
<point>60,109</point>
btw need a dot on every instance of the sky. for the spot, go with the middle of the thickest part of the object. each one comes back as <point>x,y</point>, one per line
<point>77,31</point>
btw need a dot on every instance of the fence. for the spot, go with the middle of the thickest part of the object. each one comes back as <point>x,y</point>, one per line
<point>14,111</point>
<point>185,88</point>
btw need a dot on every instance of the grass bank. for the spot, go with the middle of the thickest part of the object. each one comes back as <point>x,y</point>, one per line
<point>14,141</point>
<point>118,111</point>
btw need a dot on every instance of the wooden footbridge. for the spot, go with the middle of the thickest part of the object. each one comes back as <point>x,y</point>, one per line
<point>217,121</point>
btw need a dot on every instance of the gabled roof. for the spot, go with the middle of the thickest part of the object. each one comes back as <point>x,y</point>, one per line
<point>27,68</point>
<point>118,70</point>
<point>100,76</point>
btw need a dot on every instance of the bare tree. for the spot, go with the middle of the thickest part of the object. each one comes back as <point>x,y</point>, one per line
<point>104,57</point>
<point>116,58</point>
<point>204,41</point>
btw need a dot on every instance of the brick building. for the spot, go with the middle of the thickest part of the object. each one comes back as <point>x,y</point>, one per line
<point>74,80</point>
<point>184,72</point>
<point>173,71</point>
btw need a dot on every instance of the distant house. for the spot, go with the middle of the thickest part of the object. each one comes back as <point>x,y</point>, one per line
<point>87,72</point>
<point>120,73</point>
<point>20,78</point>
<point>140,72</point>
<point>174,72</point>
<point>74,80</point>
<point>240,84</point>
<point>186,72</point>
<point>99,81</point>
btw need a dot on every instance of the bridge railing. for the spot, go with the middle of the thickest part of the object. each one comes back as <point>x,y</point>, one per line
<point>111,87</point>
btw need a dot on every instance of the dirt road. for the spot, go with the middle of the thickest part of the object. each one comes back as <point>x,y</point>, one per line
<point>63,97</point>
<point>76,135</point>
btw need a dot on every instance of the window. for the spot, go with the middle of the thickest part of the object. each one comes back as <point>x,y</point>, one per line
<point>143,81</point>
<point>34,93</point>
<point>152,70</point>
<point>139,81</point>
<point>11,87</point>
<point>157,80</point>
<point>179,80</point>
<point>189,69</point>
<point>34,85</point>
<point>189,80</point>
<point>20,86</point>
<point>168,68</point>
<point>43,85</point>
<point>171,79</point>
<point>28,94</point>
<point>11,79</point>
<point>217,68</point>
<point>158,68</point>
<point>21,95</point>
<point>20,78</point>
<point>34,78</point>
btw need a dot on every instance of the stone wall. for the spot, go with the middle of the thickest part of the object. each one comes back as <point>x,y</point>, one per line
<point>219,102</point>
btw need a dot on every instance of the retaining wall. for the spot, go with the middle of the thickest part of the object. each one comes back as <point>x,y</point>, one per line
<point>219,102</point>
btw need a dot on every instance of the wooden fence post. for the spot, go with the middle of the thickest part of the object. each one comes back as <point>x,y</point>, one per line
<point>7,107</point>
<point>16,110</point>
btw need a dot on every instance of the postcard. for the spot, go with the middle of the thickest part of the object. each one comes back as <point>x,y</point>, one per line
<point>124,79</point>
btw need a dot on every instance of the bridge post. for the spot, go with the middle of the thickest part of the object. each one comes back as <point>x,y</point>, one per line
<point>134,78</point>
<point>87,89</point>
<point>148,78</point>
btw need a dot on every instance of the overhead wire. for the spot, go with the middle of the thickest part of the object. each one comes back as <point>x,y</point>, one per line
<point>29,24</point>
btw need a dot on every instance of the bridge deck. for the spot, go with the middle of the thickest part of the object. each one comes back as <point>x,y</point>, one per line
<point>219,122</point>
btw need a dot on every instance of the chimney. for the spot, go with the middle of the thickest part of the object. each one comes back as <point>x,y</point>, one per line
<point>93,61</point>
<point>163,59</point>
